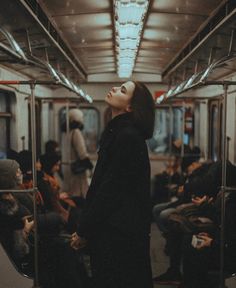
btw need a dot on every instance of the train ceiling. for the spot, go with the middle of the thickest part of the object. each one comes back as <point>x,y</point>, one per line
<point>77,37</point>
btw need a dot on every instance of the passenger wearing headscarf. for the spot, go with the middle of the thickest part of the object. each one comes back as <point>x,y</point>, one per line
<point>73,147</point>
<point>13,228</point>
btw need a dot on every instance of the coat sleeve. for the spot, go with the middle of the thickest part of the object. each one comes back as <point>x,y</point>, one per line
<point>11,222</point>
<point>78,144</point>
<point>124,168</point>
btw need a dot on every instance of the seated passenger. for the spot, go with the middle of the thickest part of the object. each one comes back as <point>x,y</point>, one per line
<point>202,216</point>
<point>50,165</point>
<point>192,186</point>
<point>166,182</point>
<point>204,255</point>
<point>59,265</point>
<point>14,225</point>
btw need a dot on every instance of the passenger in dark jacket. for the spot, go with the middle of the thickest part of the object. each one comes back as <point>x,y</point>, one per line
<point>116,221</point>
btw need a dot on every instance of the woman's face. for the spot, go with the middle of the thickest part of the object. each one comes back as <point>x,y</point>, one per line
<point>56,167</point>
<point>119,98</point>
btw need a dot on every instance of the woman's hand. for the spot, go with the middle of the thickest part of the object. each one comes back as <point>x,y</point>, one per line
<point>28,226</point>
<point>180,190</point>
<point>206,241</point>
<point>199,200</point>
<point>77,242</point>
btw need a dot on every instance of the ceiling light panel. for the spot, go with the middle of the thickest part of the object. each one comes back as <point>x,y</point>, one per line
<point>129,17</point>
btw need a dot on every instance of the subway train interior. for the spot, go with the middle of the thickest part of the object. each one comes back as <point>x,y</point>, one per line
<point>60,55</point>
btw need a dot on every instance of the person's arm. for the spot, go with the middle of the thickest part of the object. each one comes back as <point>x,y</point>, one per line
<point>205,241</point>
<point>78,144</point>
<point>11,222</point>
<point>123,172</point>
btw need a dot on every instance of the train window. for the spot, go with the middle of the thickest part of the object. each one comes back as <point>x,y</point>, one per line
<point>5,117</point>
<point>91,128</point>
<point>160,142</point>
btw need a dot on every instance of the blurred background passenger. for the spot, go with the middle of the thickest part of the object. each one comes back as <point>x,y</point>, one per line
<point>73,148</point>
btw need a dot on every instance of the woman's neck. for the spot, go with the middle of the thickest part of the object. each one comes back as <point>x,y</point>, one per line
<point>115,113</point>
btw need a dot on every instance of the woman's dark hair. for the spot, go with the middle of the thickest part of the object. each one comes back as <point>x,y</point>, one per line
<point>143,109</point>
<point>51,146</point>
<point>48,161</point>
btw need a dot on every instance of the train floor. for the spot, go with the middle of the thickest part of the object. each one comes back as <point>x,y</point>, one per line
<point>160,261</point>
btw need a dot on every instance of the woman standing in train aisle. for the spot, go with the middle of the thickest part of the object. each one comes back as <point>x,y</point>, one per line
<point>117,217</point>
<point>75,184</point>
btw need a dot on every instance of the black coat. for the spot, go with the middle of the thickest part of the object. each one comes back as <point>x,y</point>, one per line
<point>117,217</point>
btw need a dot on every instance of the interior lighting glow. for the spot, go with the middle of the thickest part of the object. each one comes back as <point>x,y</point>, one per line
<point>129,17</point>
<point>127,53</point>
<point>128,44</point>
<point>128,30</point>
<point>131,11</point>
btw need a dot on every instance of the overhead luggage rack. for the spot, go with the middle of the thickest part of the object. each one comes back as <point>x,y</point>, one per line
<point>17,55</point>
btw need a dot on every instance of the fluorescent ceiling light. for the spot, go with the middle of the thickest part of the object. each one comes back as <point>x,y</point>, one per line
<point>129,17</point>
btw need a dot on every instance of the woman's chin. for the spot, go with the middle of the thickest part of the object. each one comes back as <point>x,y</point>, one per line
<point>107,100</point>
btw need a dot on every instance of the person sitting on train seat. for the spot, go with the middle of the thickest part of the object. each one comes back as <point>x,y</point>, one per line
<point>202,213</point>
<point>48,202</point>
<point>117,217</point>
<point>52,146</point>
<point>74,148</point>
<point>161,211</point>
<point>59,265</point>
<point>166,182</point>
<point>14,225</point>
<point>194,186</point>
<point>201,252</point>
<point>50,165</point>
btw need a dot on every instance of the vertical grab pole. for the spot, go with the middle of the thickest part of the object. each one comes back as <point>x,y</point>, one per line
<point>170,128</point>
<point>34,176</point>
<point>67,140</point>
<point>223,185</point>
<point>183,126</point>
<point>170,139</point>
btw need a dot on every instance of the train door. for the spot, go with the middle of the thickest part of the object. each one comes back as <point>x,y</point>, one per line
<point>38,126</point>
<point>5,119</point>
<point>215,129</point>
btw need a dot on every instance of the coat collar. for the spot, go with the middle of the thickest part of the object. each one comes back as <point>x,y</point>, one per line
<point>113,127</point>
<point>121,120</point>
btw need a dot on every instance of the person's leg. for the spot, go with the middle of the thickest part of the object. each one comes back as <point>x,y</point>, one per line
<point>160,214</point>
<point>172,275</point>
<point>195,266</point>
